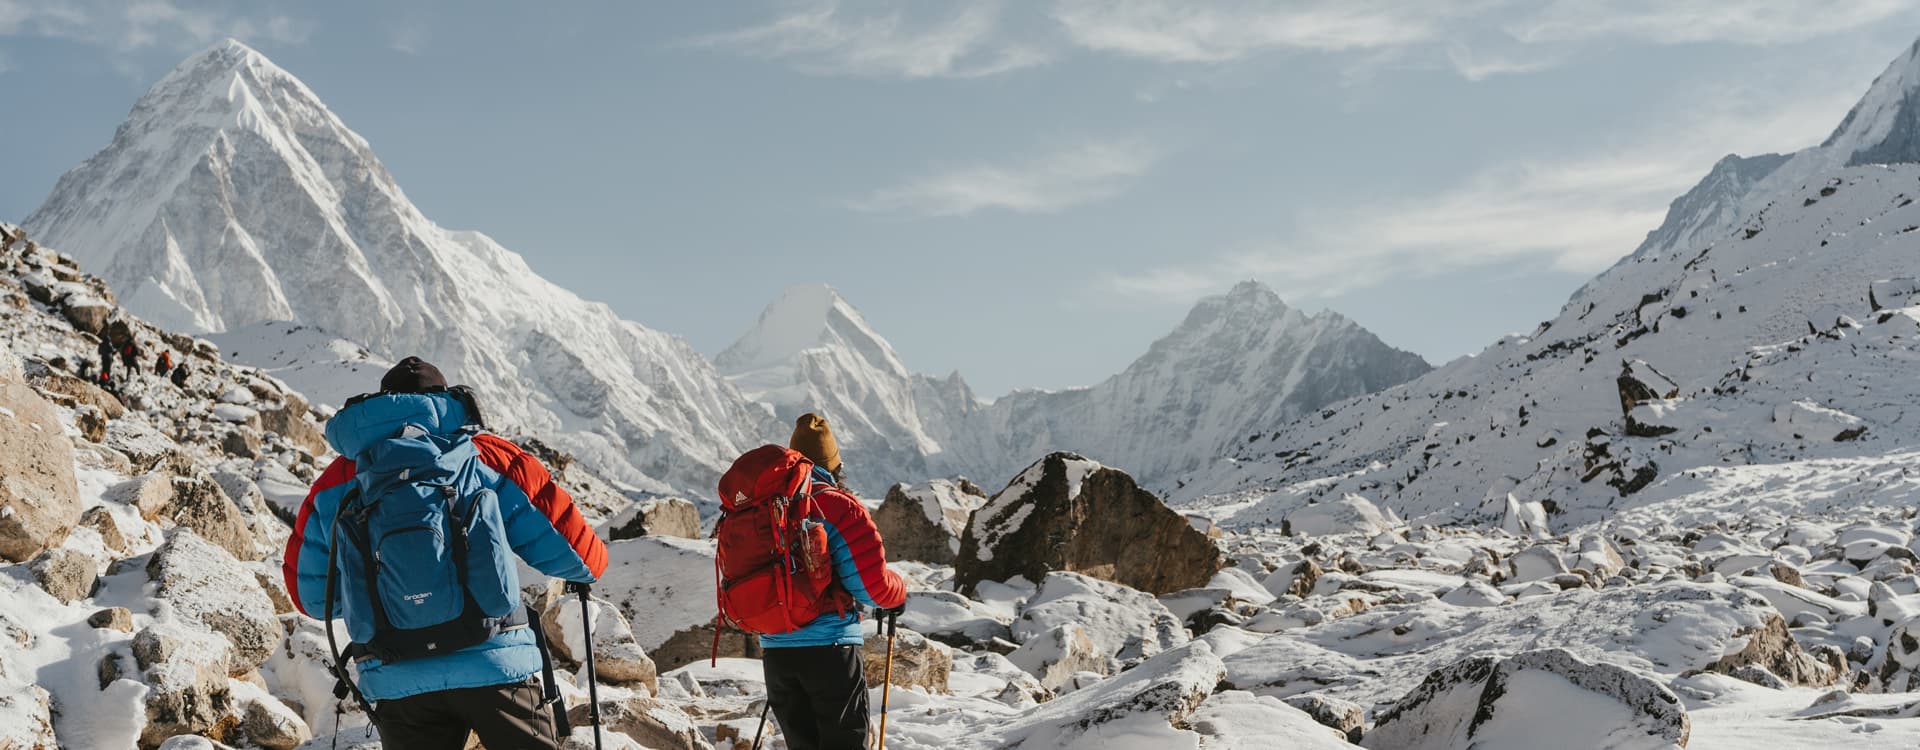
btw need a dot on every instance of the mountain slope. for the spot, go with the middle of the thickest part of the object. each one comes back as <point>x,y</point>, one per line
<point>1709,304</point>
<point>231,196</point>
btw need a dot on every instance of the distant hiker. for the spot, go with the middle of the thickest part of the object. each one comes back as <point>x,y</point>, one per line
<point>179,378</point>
<point>130,357</point>
<point>816,681</point>
<point>106,357</point>
<point>164,363</point>
<point>441,642</point>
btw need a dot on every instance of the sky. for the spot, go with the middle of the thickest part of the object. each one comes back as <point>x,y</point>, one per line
<point>1030,192</point>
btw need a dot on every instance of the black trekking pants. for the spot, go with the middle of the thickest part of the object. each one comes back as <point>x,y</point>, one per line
<point>507,717</point>
<point>819,694</point>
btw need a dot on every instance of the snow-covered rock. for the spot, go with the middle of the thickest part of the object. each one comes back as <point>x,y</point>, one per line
<point>204,585</point>
<point>664,585</point>
<point>925,522</point>
<point>1547,698</point>
<point>1125,625</point>
<point>1351,514</point>
<point>1149,700</point>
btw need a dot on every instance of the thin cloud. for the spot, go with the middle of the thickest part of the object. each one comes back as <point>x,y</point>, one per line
<point>1174,32</point>
<point>1078,176</point>
<point>829,40</point>
<point>1759,22</point>
<point>1479,65</point>
<point>148,24</point>
<point>1578,214</point>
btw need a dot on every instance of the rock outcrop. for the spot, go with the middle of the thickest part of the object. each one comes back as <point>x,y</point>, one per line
<point>205,585</point>
<point>39,501</point>
<point>1068,513</point>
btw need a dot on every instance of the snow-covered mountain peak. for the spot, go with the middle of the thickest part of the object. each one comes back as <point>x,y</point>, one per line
<point>808,316</point>
<point>1884,126</point>
<point>232,197</point>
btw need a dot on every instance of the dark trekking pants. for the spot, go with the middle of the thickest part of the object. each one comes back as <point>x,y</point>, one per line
<point>819,694</point>
<point>507,717</point>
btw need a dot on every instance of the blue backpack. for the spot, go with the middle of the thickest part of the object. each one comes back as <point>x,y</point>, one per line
<point>419,561</point>
<point>420,550</point>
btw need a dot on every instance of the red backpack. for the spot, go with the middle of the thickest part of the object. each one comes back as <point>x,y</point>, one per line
<point>773,562</point>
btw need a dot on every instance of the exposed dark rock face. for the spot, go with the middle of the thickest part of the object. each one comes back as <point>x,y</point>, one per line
<point>1068,513</point>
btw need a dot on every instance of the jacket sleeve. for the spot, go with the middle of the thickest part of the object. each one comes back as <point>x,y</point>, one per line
<point>304,564</point>
<point>544,527</point>
<point>859,557</point>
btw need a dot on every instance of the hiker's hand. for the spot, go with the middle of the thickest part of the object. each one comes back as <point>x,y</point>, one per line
<point>576,587</point>
<point>888,615</point>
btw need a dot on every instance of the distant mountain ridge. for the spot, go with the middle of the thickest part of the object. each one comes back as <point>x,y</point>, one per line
<point>1241,363</point>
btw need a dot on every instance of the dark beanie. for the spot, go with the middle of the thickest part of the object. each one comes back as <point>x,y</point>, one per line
<point>814,439</point>
<point>413,375</point>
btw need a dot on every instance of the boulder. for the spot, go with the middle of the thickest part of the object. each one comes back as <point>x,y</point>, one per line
<point>925,522</point>
<point>72,391</point>
<point>86,314</point>
<point>39,500</point>
<point>149,494</point>
<point>1297,579</point>
<point>200,504</point>
<point>1164,690</point>
<point>186,670</point>
<point>1639,382</point>
<point>1239,719</point>
<point>660,516</point>
<point>112,618</point>
<point>953,619</point>
<point>653,723</point>
<point>1545,698</point>
<point>1068,513</point>
<point>241,443</point>
<point>206,586</point>
<point>1055,656</point>
<point>917,661</point>
<point>67,574</point>
<point>1351,514</point>
<point>290,421</point>
<point>1773,649</point>
<point>1343,716</point>
<point>271,725</point>
<point>617,658</point>
<point>1126,626</point>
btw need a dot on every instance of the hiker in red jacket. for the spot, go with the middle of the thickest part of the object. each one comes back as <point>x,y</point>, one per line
<point>816,681</point>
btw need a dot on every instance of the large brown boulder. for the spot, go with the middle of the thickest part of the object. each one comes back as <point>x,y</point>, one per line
<point>199,503</point>
<point>39,501</point>
<point>925,522</point>
<point>71,391</point>
<point>1069,513</point>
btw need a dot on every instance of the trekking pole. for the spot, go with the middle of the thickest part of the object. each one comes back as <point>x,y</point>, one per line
<point>593,676</point>
<point>758,733</point>
<point>886,689</point>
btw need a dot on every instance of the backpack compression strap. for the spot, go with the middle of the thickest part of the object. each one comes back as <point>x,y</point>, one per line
<point>343,682</point>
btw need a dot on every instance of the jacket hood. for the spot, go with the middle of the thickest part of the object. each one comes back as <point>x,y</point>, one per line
<point>357,427</point>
